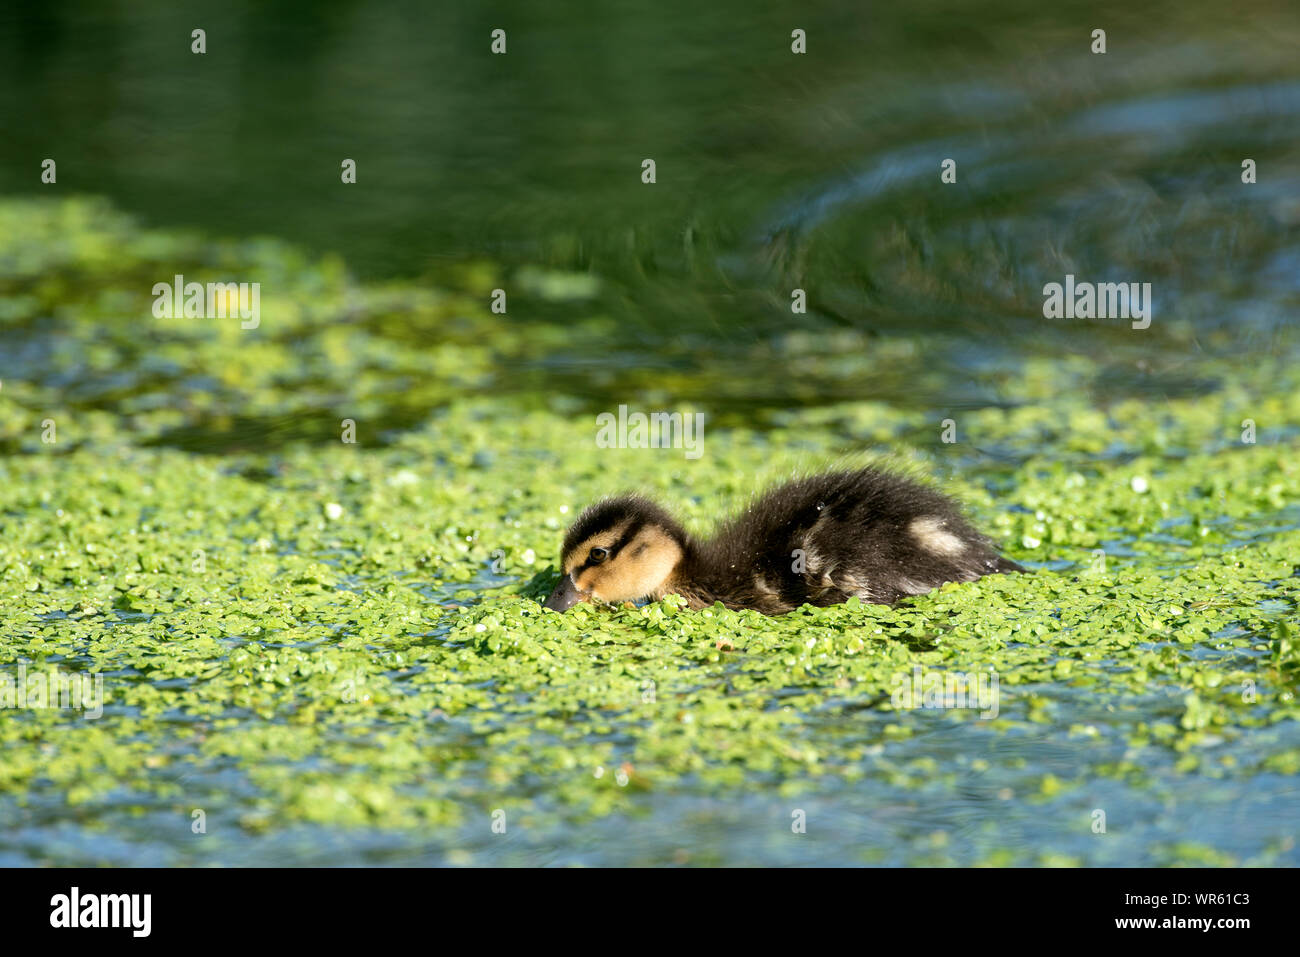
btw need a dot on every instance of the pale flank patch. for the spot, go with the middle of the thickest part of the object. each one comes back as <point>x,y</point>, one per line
<point>813,562</point>
<point>852,584</point>
<point>933,537</point>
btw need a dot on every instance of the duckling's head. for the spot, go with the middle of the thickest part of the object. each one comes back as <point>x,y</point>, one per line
<point>620,549</point>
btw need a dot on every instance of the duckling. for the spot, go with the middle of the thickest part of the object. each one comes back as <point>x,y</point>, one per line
<point>818,541</point>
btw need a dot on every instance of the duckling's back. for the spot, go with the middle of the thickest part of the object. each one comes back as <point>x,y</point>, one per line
<point>823,539</point>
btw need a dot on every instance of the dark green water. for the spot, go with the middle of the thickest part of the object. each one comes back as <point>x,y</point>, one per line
<point>774,171</point>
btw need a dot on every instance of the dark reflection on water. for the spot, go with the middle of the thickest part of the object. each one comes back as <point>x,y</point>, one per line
<point>775,172</point>
<point>773,169</point>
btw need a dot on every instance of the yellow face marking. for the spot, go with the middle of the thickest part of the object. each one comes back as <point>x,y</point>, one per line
<point>639,570</point>
<point>603,539</point>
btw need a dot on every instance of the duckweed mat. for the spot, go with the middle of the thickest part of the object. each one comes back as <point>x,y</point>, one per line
<point>316,651</point>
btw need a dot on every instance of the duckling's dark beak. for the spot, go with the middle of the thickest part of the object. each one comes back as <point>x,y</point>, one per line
<point>565,596</point>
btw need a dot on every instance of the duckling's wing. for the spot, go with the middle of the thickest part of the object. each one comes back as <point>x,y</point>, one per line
<point>869,533</point>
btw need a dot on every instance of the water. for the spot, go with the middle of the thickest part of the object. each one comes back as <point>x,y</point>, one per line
<point>775,171</point>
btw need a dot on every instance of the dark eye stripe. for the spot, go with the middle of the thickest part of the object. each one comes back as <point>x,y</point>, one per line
<point>613,550</point>
<point>632,531</point>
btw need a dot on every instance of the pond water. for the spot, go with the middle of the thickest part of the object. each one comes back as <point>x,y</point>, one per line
<point>774,172</point>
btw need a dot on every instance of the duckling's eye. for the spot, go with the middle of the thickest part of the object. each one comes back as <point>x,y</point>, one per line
<point>598,555</point>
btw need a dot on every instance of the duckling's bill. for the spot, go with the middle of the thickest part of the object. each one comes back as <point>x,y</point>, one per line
<point>565,596</point>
